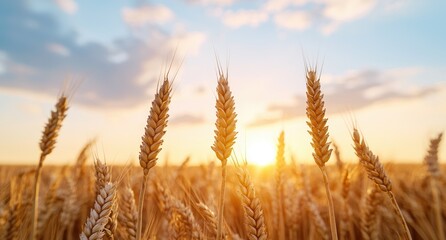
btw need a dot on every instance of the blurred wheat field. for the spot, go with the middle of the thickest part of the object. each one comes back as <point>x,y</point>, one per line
<point>192,187</point>
<point>227,198</point>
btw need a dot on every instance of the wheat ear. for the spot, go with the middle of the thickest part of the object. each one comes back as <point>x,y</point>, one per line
<point>254,219</point>
<point>100,213</point>
<point>209,218</point>
<point>225,135</point>
<point>152,140</point>
<point>319,133</point>
<point>339,163</point>
<point>431,161</point>
<point>128,214</point>
<point>47,144</point>
<point>102,173</point>
<point>369,220</point>
<point>376,173</point>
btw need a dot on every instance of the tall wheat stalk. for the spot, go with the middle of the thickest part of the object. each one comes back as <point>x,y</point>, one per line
<point>376,173</point>
<point>47,144</point>
<point>225,135</point>
<point>280,179</point>
<point>319,133</point>
<point>431,161</point>
<point>152,140</point>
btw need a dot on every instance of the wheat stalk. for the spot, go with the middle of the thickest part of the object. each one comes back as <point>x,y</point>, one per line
<point>47,144</point>
<point>225,135</point>
<point>152,140</point>
<point>431,161</point>
<point>280,178</point>
<point>339,162</point>
<point>315,217</point>
<point>79,168</point>
<point>70,209</point>
<point>49,206</point>
<point>346,215</point>
<point>319,133</point>
<point>376,173</point>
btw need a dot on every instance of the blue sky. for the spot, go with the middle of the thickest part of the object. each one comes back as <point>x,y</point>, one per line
<point>384,62</point>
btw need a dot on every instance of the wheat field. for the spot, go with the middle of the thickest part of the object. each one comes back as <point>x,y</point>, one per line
<point>226,198</point>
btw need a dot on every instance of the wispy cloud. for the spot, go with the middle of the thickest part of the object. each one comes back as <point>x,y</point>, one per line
<point>241,18</point>
<point>279,5</point>
<point>39,57</point>
<point>293,20</point>
<point>340,11</point>
<point>58,49</point>
<point>68,6</point>
<point>143,15</point>
<point>325,15</point>
<point>212,2</point>
<point>353,91</point>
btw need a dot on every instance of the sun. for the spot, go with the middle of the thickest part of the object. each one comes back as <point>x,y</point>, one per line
<point>261,152</point>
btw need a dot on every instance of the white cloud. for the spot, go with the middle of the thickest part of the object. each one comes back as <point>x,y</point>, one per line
<point>347,10</point>
<point>294,20</point>
<point>367,87</point>
<point>188,42</point>
<point>241,18</point>
<point>341,11</point>
<point>58,49</point>
<point>181,42</point>
<point>138,17</point>
<point>114,76</point>
<point>325,15</point>
<point>68,6</point>
<point>278,5</point>
<point>213,2</point>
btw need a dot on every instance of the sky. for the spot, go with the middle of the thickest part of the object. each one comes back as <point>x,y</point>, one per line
<point>382,67</point>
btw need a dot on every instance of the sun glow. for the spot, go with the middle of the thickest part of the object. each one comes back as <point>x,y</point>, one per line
<point>261,152</point>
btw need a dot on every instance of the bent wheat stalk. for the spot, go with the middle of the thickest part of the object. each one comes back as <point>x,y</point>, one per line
<point>225,135</point>
<point>319,133</point>
<point>376,173</point>
<point>47,144</point>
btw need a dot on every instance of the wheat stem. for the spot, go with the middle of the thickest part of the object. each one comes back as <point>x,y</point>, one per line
<point>221,202</point>
<point>140,207</point>
<point>400,215</point>
<point>437,208</point>
<point>330,205</point>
